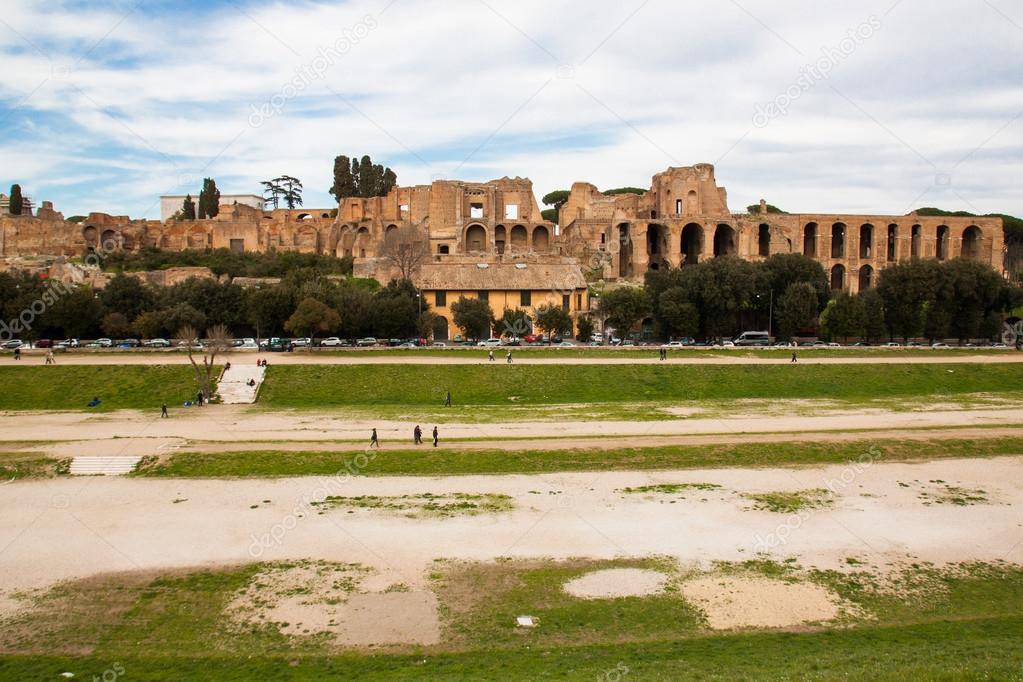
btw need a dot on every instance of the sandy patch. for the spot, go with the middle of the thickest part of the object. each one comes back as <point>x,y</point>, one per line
<point>617,582</point>
<point>738,602</point>
<point>312,598</point>
<point>9,606</point>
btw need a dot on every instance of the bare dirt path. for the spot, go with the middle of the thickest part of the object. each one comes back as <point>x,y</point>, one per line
<point>881,514</point>
<point>523,358</point>
<point>227,427</point>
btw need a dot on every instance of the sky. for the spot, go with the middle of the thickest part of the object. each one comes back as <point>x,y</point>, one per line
<point>855,107</point>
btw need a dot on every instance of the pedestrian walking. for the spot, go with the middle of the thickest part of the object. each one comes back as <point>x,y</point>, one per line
<point>436,438</point>
<point>509,357</point>
<point>794,358</point>
<point>417,435</point>
<point>199,397</point>
<point>490,355</point>
<point>17,354</point>
<point>163,411</point>
<point>447,399</point>
<point>373,441</point>
<point>49,358</point>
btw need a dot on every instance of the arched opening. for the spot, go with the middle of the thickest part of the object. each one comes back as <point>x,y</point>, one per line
<point>90,234</point>
<point>624,250</point>
<point>914,242</point>
<point>656,245</point>
<point>108,240</point>
<point>838,240</point>
<point>810,240</point>
<point>971,242</point>
<point>324,215</point>
<point>866,278</point>
<point>724,241</point>
<point>866,241</point>
<point>476,239</point>
<point>127,242</point>
<point>519,238</point>
<point>500,238</point>
<point>941,242</point>
<point>361,241</point>
<point>838,277</point>
<point>893,242</point>
<point>304,216</point>
<point>692,203</point>
<point>541,238</point>
<point>692,244</point>
<point>440,329</point>
<point>764,240</point>
<point>389,229</point>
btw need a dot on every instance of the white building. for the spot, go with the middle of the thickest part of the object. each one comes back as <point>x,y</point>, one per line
<point>26,204</point>
<point>171,203</point>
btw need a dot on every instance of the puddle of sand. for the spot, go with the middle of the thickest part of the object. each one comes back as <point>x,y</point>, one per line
<point>617,582</point>
<point>738,602</point>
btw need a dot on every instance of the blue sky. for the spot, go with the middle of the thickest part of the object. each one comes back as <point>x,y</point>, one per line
<point>105,106</point>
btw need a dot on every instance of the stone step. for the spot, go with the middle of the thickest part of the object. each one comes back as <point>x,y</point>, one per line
<point>234,388</point>
<point>103,466</point>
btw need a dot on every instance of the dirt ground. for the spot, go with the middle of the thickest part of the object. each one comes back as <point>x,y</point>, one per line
<point>59,529</point>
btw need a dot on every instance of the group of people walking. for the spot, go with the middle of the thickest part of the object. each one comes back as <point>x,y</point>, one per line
<point>507,356</point>
<point>417,437</point>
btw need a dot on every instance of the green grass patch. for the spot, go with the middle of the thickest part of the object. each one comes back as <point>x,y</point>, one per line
<point>71,387</point>
<point>437,461</point>
<point>668,488</point>
<point>791,502</point>
<point>19,465</point>
<point>422,506</point>
<point>305,386</point>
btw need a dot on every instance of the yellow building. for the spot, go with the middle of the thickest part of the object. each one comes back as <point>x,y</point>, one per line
<point>523,285</point>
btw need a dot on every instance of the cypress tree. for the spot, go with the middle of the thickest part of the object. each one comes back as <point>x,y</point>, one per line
<point>188,208</point>
<point>17,203</point>
<point>209,199</point>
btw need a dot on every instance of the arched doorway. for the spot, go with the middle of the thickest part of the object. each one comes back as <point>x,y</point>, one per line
<point>971,242</point>
<point>692,244</point>
<point>867,241</point>
<point>440,329</point>
<point>476,239</point>
<point>519,238</point>
<point>656,245</point>
<point>838,240</point>
<point>541,239</point>
<point>810,240</point>
<point>90,234</point>
<point>724,241</point>
<point>624,250</point>
<point>893,242</point>
<point>914,242</point>
<point>764,240</point>
<point>838,277</point>
<point>108,240</point>
<point>500,238</point>
<point>941,242</point>
<point>866,278</point>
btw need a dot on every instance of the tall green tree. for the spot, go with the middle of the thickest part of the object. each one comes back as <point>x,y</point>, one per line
<point>678,316</point>
<point>209,199</point>
<point>312,316</point>
<point>797,308</point>
<point>843,317</point>
<point>556,200</point>
<point>271,193</point>
<point>553,320</point>
<point>361,178</point>
<point>623,308</point>
<point>473,316</point>
<point>873,311</point>
<point>291,190</point>
<point>188,208</point>
<point>17,202</point>
<point>514,323</point>
<point>584,329</point>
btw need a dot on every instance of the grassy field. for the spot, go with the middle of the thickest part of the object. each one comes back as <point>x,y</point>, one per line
<point>437,461</point>
<point>71,387</point>
<point>322,386</point>
<point>139,626</point>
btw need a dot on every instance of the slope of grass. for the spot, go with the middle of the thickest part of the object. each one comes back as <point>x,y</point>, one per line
<point>437,461</point>
<point>71,387</point>
<point>416,385</point>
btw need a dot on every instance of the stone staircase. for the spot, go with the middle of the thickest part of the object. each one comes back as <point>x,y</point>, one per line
<point>234,386</point>
<point>103,466</point>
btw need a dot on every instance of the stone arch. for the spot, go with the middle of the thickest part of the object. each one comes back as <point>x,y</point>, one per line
<point>971,242</point>
<point>500,238</point>
<point>914,241</point>
<point>440,328</point>
<point>541,238</point>
<point>361,242</point>
<point>303,216</point>
<point>324,215</point>
<point>691,244</point>
<point>389,229</point>
<point>866,278</point>
<point>764,240</point>
<point>108,240</point>
<point>519,238</point>
<point>838,277</point>
<point>941,242</point>
<point>91,236</point>
<point>866,240</point>
<point>476,239</point>
<point>838,241</point>
<point>810,240</point>
<point>624,250</point>
<point>692,202</point>
<point>724,241</point>
<point>656,245</point>
<point>893,243</point>
<point>127,242</point>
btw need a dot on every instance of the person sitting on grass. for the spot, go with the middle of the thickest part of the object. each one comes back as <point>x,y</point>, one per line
<point>94,402</point>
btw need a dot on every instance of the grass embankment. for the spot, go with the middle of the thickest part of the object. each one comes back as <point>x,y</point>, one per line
<point>71,387</point>
<point>961,623</point>
<point>437,461</point>
<point>319,386</point>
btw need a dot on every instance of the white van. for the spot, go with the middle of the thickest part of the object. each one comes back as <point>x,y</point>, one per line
<point>753,339</point>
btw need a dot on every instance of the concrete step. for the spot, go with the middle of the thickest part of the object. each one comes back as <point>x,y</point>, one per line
<point>103,466</point>
<point>234,386</point>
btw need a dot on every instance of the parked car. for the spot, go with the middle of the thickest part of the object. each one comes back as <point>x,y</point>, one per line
<point>332,342</point>
<point>439,344</point>
<point>673,344</point>
<point>247,343</point>
<point>13,344</point>
<point>278,345</point>
<point>565,344</point>
<point>366,342</point>
<point>407,344</point>
<point>303,342</point>
<point>490,342</point>
<point>753,339</point>
<point>157,343</point>
<point>70,343</point>
<point>939,345</point>
<point>44,343</point>
<point>128,343</point>
<point>891,344</point>
<point>999,345</point>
